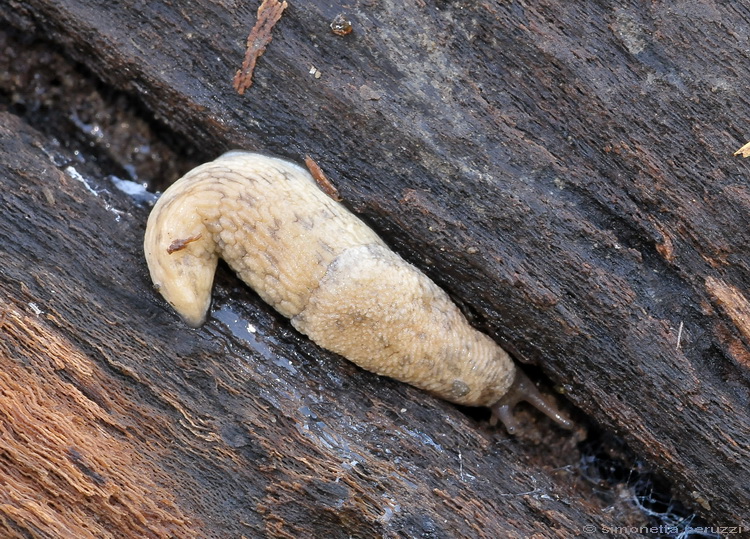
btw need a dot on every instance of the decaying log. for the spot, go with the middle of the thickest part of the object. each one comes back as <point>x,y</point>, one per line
<point>117,420</point>
<point>564,170</point>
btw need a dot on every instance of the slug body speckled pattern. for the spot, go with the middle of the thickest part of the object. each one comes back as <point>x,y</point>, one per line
<point>318,264</point>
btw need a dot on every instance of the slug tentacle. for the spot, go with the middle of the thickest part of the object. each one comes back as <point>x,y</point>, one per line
<point>178,232</point>
<point>319,265</point>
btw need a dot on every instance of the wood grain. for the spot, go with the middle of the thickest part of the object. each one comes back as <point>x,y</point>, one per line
<point>564,170</point>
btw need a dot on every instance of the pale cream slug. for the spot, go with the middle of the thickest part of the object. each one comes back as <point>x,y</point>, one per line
<point>339,283</point>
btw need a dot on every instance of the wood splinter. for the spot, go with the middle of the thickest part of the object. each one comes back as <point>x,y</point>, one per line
<point>269,14</point>
<point>321,179</point>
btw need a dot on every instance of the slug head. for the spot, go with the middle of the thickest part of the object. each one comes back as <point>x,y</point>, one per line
<point>182,260</point>
<point>524,389</point>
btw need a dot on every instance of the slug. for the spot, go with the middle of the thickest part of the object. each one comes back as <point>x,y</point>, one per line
<point>319,265</point>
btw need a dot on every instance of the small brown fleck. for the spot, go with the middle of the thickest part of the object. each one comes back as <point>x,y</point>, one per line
<point>323,182</point>
<point>368,94</point>
<point>179,245</point>
<point>340,25</point>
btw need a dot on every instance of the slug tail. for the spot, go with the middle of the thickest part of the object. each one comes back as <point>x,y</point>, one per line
<point>524,389</point>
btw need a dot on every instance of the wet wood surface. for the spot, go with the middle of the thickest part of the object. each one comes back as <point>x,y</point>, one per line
<point>564,171</point>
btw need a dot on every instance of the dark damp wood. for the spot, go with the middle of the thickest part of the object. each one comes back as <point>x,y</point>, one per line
<point>564,170</point>
<point>118,420</point>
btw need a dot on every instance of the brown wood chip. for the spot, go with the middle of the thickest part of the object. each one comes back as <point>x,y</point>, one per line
<point>323,182</point>
<point>269,14</point>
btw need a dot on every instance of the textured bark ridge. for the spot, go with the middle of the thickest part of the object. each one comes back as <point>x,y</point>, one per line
<point>565,171</point>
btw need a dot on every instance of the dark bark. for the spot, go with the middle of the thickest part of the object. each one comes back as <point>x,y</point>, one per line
<point>564,170</point>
